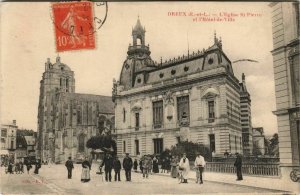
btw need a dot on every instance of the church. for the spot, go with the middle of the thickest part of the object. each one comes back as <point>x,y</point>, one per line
<point>66,120</point>
<point>194,97</point>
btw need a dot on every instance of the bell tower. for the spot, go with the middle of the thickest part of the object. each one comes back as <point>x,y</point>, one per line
<point>138,34</point>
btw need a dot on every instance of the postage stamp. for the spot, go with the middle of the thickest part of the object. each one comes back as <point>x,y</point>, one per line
<point>74,25</point>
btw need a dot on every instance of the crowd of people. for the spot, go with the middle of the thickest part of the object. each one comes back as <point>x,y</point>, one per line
<point>147,164</point>
<point>19,166</point>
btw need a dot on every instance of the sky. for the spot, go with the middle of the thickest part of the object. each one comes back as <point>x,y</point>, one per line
<point>28,39</point>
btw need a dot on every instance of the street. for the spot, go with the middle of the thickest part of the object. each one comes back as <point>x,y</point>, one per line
<point>53,180</point>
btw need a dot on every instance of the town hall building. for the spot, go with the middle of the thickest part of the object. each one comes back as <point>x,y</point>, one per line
<point>194,97</point>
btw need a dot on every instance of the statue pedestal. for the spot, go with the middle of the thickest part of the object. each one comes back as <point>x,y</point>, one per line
<point>184,133</point>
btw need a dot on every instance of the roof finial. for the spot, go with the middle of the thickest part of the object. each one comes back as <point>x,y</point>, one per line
<point>243,77</point>
<point>188,44</point>
<point>57,58</point>
<point>215,37</point>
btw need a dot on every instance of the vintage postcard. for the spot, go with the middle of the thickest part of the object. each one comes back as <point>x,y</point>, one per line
<point>150,97</point>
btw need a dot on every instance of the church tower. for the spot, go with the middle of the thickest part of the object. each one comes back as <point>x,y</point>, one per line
<point>58,78</point>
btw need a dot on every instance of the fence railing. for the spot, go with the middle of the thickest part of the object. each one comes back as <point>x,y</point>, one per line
<point>247,168</point>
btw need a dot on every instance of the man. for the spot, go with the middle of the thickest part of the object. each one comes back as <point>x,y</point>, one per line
<point>70,166</point>
<point>117,168</point>
<point>127,165</point>
<point>108,163</point>
<point>146,166</point>
<point>238,165</point>
<point>184,167</point>
<point>199,165</point>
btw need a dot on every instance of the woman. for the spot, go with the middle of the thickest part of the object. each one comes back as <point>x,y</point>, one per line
<point>155,165</point>
<point>37,166</point>
<point>184,166</point>
<point>174,163</point>
<point>85,174</point>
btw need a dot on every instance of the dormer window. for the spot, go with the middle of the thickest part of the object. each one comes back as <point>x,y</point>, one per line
<point>161,75</point>
<point>186,68</point>
<point>210,61</point>
<point>139,80</point>
<point>173,72</point>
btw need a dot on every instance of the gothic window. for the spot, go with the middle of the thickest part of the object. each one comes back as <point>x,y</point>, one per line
<point>158,145</point>
<point>183,109</point>
<point>81,143</point>
<point>137,121</point>
<point>79,117</point>
<point>158,114</point>
<point>211,111</point>
<point>67,83</point>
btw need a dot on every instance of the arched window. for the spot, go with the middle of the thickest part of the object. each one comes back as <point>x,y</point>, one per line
<point>81,143</point>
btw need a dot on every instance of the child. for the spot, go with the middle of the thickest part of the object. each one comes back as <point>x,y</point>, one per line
<point>135,165</point>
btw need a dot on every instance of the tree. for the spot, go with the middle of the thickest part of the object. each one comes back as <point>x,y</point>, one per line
<point>190,148</point>
<point>103,142</point>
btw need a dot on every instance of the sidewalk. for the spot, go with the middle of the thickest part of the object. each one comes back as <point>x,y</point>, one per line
<point>253,181</point>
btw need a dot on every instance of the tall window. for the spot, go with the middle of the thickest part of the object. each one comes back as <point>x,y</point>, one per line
<point>60,82</point>
<point>157,114</point>
<point>124,115</point>
<point>81,143</point>
<point>124,146</point>
<point>79,117</point>
<point>12,145</point>
<point>211,111</point>
<point>67,83</point>
<point>158,145</point>
<point>183,110</point>
<point>229,143</point>
<point>212,142</point>
<point>137,121</point>
<point>235,144</point>
<point>137,147</point>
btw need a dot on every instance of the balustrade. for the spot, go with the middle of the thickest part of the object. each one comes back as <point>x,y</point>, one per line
<point>247,168</point>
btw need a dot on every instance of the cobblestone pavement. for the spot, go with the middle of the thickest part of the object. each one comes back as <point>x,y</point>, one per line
<point>53,179</point>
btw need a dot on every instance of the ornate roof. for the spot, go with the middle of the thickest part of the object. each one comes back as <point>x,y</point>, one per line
<point>138,27</point>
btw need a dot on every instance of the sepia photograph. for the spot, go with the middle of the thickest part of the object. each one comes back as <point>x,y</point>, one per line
<point>162,97</point>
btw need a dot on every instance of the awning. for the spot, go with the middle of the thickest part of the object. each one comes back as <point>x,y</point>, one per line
<point>4,152</point>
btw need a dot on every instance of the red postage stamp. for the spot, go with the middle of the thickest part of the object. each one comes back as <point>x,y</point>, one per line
<point>74,25</point>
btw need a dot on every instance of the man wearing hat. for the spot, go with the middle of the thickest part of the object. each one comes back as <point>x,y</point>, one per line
<point>199,165</point>
<point>238,165</point>
<point>127,165</point>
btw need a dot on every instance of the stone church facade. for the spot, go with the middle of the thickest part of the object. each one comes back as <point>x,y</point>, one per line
<point>194,97</point>
<point>66,120</point>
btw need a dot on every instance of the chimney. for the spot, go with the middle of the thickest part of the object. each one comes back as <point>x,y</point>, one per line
<point>14,122</point>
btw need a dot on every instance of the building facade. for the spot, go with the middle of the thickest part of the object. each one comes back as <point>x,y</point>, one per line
<point>66,120</point>
<point>285,25</point>
<point>246,120</point>
<point>193,97</point>
<point>9,139</point>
